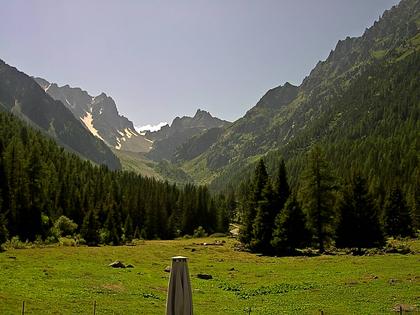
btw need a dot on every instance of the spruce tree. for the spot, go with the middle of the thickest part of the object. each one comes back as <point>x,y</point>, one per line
<point>89,230</point>
<point>175,219</point>
<point>3,229</point>
<point>111,225</point>
<point>317,195</point>
<point>230,203</point>
<point>290,230</point>
<point>259,182</point>
<point>262,228</point>
<point>128,228</point>
<point>397,217</point>
<point>281,187</point>
<point>136,233</point>
<point>358,223</point>
<point>222,208</point>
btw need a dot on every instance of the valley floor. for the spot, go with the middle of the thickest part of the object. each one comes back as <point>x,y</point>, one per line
<point>67,280</point>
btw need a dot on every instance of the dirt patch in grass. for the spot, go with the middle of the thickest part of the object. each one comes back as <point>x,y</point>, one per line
<point>116,287</point>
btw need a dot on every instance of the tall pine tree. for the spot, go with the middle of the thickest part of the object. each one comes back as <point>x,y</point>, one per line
<point>262,228</point>
<point>290,230</point>
<point>281,187</point>
<point>90,227</point>
<point>358,224</point>
<point>255,195</point>
<point>317,195</point>
<point>397,217</point>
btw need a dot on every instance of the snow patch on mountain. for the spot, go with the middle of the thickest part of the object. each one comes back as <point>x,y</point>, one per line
<point>151,127</point>
<point>118,146</point>
<point>129,133</point>
<point>46,89</point>
<point>87,120</point>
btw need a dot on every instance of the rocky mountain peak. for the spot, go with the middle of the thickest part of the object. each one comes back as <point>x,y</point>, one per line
<point>99,115</point>
<point>168,139</point>
<point>202,114</point>
<point>278,96</point>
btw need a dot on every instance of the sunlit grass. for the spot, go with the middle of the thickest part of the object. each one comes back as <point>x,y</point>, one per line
<point>67,280</point>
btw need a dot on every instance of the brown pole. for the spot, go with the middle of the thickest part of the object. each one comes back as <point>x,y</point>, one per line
<point>23,307</point>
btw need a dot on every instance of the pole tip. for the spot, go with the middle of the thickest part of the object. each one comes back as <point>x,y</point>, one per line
<point>179,258</point>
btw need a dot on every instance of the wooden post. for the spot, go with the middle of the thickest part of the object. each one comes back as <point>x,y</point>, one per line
<point>94,307</point>
<point>23,307</point>
<point>322,312</point>
<point>401,309</point>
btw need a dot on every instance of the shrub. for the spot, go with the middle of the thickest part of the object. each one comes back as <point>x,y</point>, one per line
<point>199,232</point>
<point>397,247</point>
<point>16,243</point>
<point>67,241</point>
<point>64,226</point>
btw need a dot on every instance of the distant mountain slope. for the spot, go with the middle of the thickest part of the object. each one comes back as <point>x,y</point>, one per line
<point>21,95</point>
<point>100,116</point>
<point>197,144</point>
<point>169,138</point>
<point>289,119</point>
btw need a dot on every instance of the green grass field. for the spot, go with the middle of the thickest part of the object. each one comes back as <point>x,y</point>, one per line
<point>67,280</point>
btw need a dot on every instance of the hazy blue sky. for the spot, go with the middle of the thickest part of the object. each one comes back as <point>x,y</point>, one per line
<point>161,59</point>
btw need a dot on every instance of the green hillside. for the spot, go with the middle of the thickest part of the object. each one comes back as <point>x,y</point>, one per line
<point>361,104</point>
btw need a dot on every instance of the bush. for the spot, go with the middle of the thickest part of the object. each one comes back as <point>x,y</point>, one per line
<point>104,236</point>
<point>199,232</point>
<point>64,226</point>
<point>136,241</point>
<point>52,239</point>
<point>16,243</point>
<point>397,247</point>
<point>67,241</point>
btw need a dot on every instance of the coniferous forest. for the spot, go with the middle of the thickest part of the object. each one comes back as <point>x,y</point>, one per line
<point>321,211</point>
<point>47,192</point>
<point>349,137</point>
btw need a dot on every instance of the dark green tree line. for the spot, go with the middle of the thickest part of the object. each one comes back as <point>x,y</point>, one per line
<point>41,182</point>
<point>278,221</point>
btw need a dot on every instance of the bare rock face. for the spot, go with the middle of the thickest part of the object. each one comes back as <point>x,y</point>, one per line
<point>169,138</point>
<point>27,100</point>
<point>99,114</point>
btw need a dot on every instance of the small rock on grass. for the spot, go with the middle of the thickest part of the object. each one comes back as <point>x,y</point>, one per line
<point>393,281</point>
<point>405,308</point>
<point>167,269</point>
<point>117,264</point>
<point>204,276</point>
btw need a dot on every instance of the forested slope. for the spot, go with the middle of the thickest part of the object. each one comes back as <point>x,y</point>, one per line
<point>41,182</point>
<point>361,104</point>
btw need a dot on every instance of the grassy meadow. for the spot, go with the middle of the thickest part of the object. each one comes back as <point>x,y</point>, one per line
<point>67,280</point>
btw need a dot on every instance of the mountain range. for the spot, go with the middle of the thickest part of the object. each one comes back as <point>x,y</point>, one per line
<point>22,96</point>
<point>360,104</point>
<point>169,138</point>
<point>99,114</point>
<point>349,103</point>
